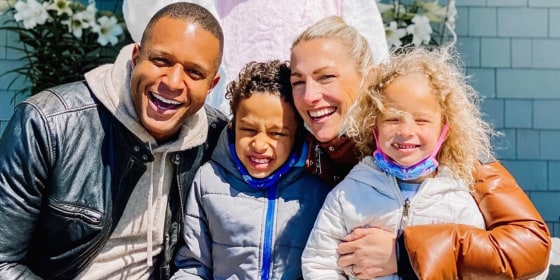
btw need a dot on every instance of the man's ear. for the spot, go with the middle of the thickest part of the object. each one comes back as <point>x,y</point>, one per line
<point>214,83</point>
<point>135,54</point>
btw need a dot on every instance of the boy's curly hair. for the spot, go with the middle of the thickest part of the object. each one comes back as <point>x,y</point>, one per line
<point>469,136</point>
<point>271,77</point>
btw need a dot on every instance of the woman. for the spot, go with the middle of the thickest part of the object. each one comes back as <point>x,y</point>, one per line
<point>331,62</point>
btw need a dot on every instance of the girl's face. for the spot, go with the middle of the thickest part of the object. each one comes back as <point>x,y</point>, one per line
<point>325,83</point>
<point>408,132</point>
<point>265,132</point>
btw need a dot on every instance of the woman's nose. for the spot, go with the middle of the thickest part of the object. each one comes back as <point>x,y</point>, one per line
<point>312,92</point>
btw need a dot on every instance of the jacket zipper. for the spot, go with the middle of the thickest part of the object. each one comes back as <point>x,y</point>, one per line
<point>268,232</point>
<point>318,159</point>
<point>404,218</point>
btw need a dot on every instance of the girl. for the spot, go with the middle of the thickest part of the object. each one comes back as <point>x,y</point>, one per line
<point>251,208</point>
<point>419,131</point>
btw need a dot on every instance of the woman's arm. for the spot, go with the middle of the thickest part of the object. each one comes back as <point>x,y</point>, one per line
<point>516,243</point>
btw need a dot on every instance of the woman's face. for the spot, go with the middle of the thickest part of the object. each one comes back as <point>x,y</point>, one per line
<point>325,82</point>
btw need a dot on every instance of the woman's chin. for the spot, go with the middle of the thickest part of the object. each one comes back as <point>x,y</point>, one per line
<point>325,135</point>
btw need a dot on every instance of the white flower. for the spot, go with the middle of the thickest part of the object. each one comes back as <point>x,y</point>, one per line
<point>5,5</point>
<point>31,13</point>
<point>451,14</point>
<point>61,7</point>
<point>81,20</point>
<point>88,16</point>
<point>384,7</point>
<point>107,30</point>
<point>394,34</point>
<point>420,30</point>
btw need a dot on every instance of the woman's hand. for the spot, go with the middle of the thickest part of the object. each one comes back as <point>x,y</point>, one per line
<point>371,251</point>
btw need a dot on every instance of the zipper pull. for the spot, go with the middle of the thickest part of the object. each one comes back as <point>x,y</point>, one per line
<point>318,159</point>
<point>404,219</point>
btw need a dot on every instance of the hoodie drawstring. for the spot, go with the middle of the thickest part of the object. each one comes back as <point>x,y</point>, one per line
<point>151,215</point>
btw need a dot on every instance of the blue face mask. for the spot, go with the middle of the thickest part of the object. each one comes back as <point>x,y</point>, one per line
<point>415,171</point>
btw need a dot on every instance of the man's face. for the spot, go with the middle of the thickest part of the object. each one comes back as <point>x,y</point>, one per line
<point>173,72</point>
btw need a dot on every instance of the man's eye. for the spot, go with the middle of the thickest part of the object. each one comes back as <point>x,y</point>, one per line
<point>195,74</point>
<point>160,61</point>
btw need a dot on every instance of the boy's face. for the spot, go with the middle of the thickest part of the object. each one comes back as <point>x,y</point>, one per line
<point>265,132</point>
<point>173,72</point>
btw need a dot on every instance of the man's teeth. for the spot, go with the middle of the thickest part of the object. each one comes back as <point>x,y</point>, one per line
<point>321,113</point>
<point>165,100</point>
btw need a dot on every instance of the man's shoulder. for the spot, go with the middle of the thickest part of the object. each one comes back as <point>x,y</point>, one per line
<point>215,116</point>
<point>63,98</point>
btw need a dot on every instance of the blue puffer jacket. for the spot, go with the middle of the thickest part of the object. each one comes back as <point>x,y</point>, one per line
<point>67,169</point>
<point>234,231</point>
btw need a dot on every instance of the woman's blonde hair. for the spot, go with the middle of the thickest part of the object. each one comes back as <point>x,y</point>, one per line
<point>469,136</point>
<point>334,27</point>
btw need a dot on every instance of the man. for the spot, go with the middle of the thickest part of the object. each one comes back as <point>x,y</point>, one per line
<point>93,174</point>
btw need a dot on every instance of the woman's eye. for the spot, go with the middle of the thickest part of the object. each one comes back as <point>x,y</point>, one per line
<point>296,83</point>
<point>327,77</point>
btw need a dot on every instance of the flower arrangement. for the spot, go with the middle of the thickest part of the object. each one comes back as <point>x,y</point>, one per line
<point>60,39</point>
<point>418,22</point>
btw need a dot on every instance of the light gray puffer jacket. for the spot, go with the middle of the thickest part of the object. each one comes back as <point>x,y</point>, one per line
<point>226,222</point>
<point>368,197</point>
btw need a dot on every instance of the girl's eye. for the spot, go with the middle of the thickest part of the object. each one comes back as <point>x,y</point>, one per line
<point>392,120</point>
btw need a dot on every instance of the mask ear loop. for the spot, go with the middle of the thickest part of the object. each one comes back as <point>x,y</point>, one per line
<point>377,148</point>
<point>441,138</point>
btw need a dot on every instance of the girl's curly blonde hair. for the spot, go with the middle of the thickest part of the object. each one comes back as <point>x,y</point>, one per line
<point>469,136</point>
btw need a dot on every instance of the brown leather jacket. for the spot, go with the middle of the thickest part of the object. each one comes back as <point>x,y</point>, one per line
<point>516,244</point>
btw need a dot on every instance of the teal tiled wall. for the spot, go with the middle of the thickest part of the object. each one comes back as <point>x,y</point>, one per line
<point>510,48</point>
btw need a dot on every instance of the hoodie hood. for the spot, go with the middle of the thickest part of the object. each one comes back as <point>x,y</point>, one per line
<point>110,83</point>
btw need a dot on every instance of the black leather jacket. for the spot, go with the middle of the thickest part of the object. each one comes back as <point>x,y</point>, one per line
<point>67,169</point>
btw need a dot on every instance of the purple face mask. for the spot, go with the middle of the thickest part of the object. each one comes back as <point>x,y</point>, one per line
<point>415,171</point>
